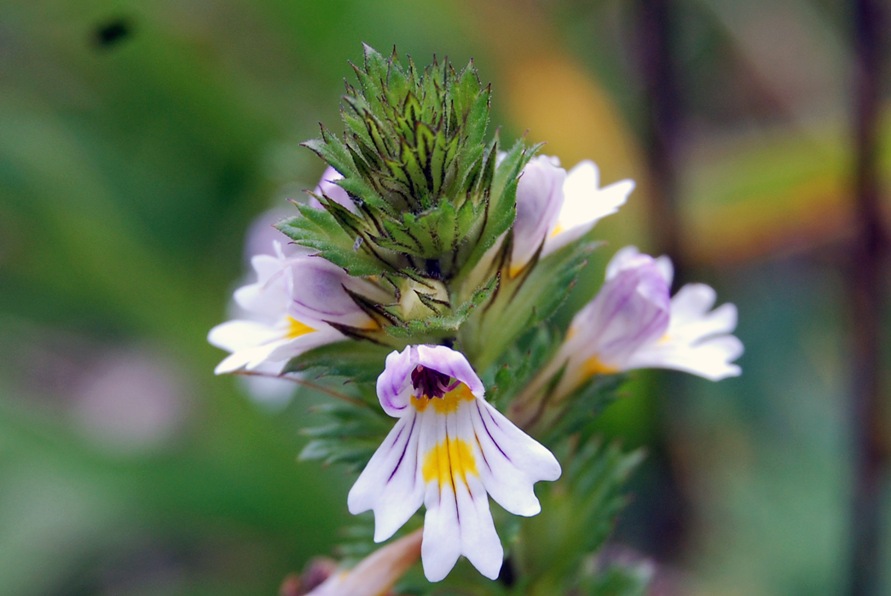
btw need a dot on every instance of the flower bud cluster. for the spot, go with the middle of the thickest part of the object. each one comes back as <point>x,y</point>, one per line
<point>426,243</point>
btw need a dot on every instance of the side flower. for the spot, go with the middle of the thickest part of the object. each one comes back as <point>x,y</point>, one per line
<point>449,450</point>
<point>295,305</point>
<point>633,322</point>
<point>555,207</point>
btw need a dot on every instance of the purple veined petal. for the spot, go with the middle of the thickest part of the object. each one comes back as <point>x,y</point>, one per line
<point>585,203</point>
<point>631,310</point>
<point>511,461</point>
<point>628,257</point>
<point>391,484</point>
<point>441,545</point>
<point>394,387</point>
<point>479,540</point>
<point>458,520</point>
<point>698,340</point>
<point>436,443</point>
<point>317,293</point>
<point>539,198</point>
<point>327,187</point>
<point>452,363</point>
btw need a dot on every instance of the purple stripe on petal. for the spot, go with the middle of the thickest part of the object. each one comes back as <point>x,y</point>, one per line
<point>488,432</point>
<point>404,448</point>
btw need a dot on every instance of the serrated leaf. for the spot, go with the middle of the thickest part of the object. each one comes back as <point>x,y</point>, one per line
<point>317,229</point>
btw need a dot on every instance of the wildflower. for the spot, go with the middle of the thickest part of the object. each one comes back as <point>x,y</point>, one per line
<point>633,322</point>
<point>555,207</point>
<point>449,449</point>
<point>296,304</point>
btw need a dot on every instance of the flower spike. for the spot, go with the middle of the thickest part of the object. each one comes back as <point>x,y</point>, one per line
<point>449,450</point>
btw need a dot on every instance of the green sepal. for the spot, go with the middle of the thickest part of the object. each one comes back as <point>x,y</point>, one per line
<point>440,326</point>
<point>319,230</point>
<point>524,302</point>
<point>500,203</point>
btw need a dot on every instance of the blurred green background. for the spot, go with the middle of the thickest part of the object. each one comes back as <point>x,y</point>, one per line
<point>138,140</point>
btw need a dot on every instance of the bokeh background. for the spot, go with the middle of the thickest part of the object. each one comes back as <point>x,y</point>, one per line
<point>138,140</point>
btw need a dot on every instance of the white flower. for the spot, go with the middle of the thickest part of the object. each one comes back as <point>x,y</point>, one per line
<point>292,307</point>
<point>634,323</point>
<point>554,208</point>
<point>450,450</point>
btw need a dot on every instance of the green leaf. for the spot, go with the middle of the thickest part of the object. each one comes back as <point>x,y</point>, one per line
<point>553,549</point>
<point>358,361</point>
<point>319,230</point>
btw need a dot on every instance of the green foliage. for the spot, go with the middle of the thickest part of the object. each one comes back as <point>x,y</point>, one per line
<point>358,361</point>
<point>552,550</point>
<point>416,167</point>
<point>524,302</point>
<point>349,436</point>
<point>618,579</point>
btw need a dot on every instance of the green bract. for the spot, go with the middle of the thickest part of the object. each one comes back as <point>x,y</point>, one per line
<point>431,194</point>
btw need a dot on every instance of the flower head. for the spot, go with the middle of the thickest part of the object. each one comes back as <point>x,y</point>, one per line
<point>296,304</point>
<point>555,207</point>
<point>633,322</point>
<point>449,450</point>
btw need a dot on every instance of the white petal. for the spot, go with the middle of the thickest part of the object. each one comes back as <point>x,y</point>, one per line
<point>690,316</point>
<point>292,347</point>
<point>238,334</point>
<point>249,358</point>
<point>512,461</point>
<point>269,294</point>
<point>585,203</point>
<point>441,546</point>
<point>458,520</point>
<point>711,358</point>
<point>391,484</point>
<point>479,540</point>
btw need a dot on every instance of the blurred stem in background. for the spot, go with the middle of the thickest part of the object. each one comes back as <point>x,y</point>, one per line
<point>868,253</point>
<point>662,122</point>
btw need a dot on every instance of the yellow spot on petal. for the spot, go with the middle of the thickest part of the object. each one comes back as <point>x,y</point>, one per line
<point>446,404</point>
<point>296,328</point>
<point>450,461</point>
<point>593,366</point>
<point>420,402</point>
<point>451,400</point>
<point>558,229</point>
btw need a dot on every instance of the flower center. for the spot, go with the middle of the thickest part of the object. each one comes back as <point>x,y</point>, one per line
<point>430,383</point>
